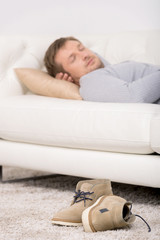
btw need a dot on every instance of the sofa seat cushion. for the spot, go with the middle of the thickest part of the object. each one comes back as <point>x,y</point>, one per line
<point>114,127</point>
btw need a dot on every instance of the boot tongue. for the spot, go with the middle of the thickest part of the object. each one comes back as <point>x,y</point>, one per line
<point>86,187</point>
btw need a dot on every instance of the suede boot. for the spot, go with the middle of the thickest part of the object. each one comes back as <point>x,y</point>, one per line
<point>109,212</point>
<point>86,194</point>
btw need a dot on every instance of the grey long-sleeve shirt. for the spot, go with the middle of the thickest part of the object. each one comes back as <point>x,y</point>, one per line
<point>124,82</point>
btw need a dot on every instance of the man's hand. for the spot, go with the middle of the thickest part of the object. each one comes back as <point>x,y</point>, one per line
<point>64,76</point>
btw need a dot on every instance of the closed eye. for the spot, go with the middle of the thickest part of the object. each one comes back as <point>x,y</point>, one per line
<point>72,58</point>
<point>81,47</point>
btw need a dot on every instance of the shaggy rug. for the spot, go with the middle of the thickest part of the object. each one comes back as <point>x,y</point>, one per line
<point>27,207</point>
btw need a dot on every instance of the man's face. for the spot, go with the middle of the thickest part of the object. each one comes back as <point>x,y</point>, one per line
<point>77,60</point>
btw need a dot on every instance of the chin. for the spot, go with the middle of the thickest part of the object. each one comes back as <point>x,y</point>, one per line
<point>97,65</point>
<point>98,62</point>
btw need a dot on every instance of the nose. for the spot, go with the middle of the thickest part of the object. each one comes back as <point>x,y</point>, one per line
<point>84,55</point>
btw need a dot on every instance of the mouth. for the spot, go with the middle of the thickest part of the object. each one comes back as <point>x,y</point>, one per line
<point>90,62</point>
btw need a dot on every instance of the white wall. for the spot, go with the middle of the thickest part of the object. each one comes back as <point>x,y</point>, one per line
<point>71,17</point>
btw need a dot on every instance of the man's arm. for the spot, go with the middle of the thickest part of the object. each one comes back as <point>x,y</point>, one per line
<point>101,87</point>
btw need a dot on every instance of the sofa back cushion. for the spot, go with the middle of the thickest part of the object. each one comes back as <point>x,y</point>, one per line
<point>14,52</point>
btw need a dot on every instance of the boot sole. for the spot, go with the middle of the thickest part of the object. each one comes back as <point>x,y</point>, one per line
<point>86,220</point>
<point>69,224</point>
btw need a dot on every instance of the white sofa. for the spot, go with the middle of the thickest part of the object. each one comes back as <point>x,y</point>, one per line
<point>119,141</point>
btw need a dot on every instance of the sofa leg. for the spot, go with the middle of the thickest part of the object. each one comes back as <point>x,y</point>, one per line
<point>1,173</point>
<point>25,179</point>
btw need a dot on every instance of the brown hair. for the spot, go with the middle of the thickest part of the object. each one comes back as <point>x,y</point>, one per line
<point>49,59</point>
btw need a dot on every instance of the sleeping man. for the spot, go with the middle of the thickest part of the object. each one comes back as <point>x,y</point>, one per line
<point>100,81</point>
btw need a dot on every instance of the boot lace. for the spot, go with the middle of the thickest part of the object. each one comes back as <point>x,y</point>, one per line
<point>149,228</point>
<point>82,196</point>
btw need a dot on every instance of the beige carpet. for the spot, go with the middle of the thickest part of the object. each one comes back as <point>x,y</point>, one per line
<point>26,208</point>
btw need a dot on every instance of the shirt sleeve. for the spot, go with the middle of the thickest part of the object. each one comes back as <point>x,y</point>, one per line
<point>100,86</point>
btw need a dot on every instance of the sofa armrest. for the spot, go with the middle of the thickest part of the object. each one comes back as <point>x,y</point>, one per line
<point>155,134</point>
